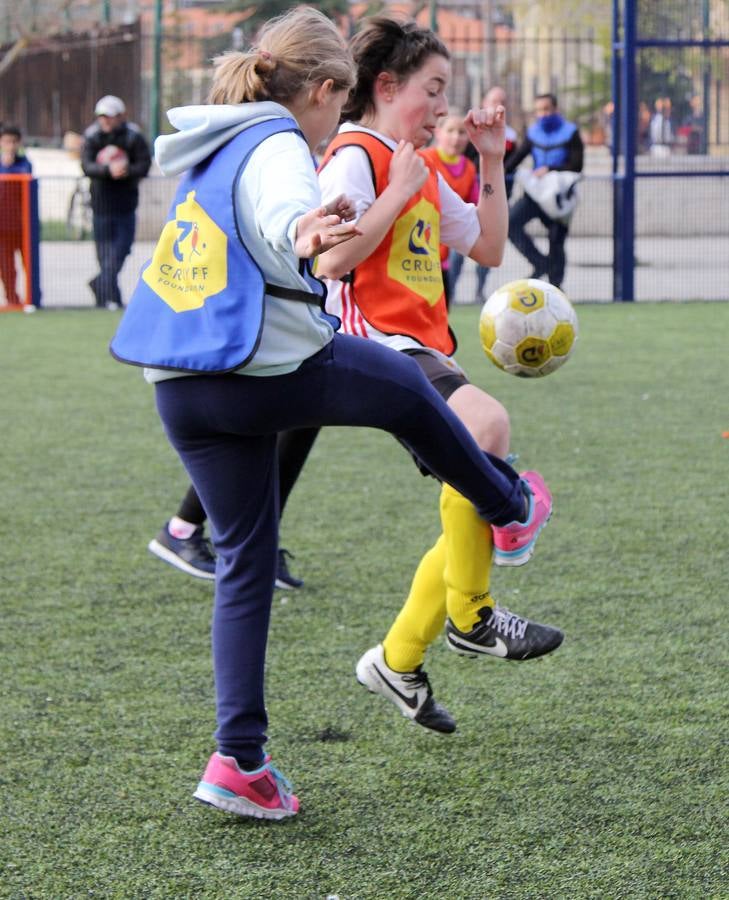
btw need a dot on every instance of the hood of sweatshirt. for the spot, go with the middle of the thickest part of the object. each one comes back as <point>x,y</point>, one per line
<point>202,129</point>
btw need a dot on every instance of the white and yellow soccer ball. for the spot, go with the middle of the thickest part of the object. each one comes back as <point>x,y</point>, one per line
<point>528,328</point>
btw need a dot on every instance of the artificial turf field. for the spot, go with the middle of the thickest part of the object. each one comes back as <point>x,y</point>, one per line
<point>600,771</point>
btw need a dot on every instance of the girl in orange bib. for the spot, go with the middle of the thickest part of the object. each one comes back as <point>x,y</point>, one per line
<point>387,285</point>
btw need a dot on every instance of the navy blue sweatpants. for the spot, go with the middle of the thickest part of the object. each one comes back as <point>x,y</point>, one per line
<point>224,428</point>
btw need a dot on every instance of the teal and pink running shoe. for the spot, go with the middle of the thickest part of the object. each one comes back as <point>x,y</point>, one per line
<point>514,543</point>
<point>263,793</point>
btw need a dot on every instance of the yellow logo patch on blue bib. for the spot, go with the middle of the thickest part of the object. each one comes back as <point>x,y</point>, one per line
<point>190,262</point>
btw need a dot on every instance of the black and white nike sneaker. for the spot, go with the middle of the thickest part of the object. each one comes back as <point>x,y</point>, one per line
<point>409,691</point>
<point>504,634</point>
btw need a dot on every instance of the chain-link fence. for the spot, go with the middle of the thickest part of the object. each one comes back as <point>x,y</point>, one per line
<point>676,259</point>
<point>681,221</point>
<point>670,143</point>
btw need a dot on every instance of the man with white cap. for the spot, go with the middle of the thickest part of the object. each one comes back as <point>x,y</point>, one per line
<point>115,157</point>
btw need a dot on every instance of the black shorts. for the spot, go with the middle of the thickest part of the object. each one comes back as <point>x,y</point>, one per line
<point>444,379</point>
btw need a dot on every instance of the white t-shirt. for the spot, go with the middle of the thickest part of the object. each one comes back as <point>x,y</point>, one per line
<point>349,172</point>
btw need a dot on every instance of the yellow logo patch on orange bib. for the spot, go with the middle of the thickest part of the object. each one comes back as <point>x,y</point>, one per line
<point>414,258</point>
<point>190,262</point>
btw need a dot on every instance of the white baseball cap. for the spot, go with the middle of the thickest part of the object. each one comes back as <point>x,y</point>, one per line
<point>110,106</point>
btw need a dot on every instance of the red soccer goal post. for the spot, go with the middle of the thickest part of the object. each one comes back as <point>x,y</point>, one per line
<point>19,243</point>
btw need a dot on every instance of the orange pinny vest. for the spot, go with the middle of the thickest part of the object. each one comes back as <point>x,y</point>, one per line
<point>399,287</point>
<point>462,184</point>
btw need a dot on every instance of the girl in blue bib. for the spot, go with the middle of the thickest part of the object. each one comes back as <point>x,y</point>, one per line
<point>227,321</point>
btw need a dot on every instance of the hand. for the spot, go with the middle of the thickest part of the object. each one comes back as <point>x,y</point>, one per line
<point>541,171</point>
<point>7,159</point>
<point>341,206</point>
<point>318,231</point>
<point>408,171</point>
<point>118,168</point>
<point>487,130</point>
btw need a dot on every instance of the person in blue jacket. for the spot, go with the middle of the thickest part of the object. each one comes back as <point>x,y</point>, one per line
<point>244,223</point>
<point>555,145</point>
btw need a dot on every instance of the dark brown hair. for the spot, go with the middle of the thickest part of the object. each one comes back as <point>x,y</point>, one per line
<point>384,44</point>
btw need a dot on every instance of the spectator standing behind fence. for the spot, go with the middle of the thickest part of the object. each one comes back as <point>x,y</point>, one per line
<point>644,127</point>
<point>12,162</point>
<point>662,133</point>
<point>693,126</point>
<point>495,96</point>
<point>115,156</point>
<point>555,145</point>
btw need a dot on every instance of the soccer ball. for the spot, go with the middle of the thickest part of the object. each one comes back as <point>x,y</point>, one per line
<point>111,153</point>
<point>528,328</point>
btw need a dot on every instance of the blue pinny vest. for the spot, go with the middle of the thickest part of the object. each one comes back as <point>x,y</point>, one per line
<point>549,148</point>
<point>198,305</point>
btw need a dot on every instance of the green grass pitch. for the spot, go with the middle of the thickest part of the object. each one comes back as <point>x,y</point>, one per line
<point>598,772</point>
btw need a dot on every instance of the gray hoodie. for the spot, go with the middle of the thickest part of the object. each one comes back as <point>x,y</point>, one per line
<point>278,185</point>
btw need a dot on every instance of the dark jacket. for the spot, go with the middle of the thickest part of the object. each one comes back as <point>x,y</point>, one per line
<point>115,194</point>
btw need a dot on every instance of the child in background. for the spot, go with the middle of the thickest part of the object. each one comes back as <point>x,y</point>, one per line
<point>387,287</point>
<point>246,218</point>
<point>448,157</point>
<point>13,160</point>
<point>495,96</point>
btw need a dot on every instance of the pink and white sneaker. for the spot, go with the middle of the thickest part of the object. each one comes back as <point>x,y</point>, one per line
<point>263,793</point>
<point>514,543</point>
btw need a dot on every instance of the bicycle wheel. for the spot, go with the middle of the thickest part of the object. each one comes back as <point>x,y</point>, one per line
<point>75,216</point>
<point>79,219</point>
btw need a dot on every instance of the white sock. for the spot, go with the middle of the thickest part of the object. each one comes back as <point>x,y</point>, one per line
<point>181,529</point>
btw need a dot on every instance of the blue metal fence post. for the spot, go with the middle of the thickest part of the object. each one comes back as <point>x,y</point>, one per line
<point>624,185</point>
<point>34,262</point>
<point>617,138</point>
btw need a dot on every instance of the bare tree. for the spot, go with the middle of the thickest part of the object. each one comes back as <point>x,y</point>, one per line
<point>32,20</point>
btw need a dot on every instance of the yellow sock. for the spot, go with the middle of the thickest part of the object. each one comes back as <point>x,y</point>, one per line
<point>422,617</point>
<point>468,548</point>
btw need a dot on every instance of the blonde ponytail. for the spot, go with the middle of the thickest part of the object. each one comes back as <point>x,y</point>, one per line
<point>296,51</point>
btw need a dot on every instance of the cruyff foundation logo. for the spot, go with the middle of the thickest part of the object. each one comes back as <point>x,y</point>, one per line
<point>419,241</point>
<point>190,262</point>
<point>414,258</point>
